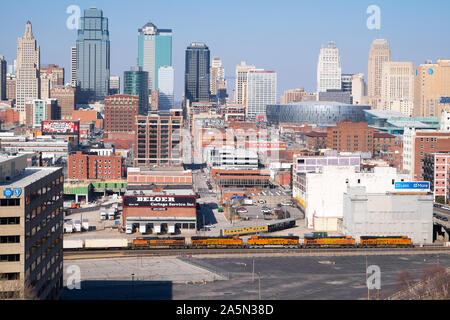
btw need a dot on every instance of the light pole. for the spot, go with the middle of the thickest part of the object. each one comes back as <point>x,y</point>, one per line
<point>132,285</point>
<point>259,286</point>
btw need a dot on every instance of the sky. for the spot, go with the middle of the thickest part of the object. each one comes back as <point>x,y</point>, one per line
<point>280,35</point>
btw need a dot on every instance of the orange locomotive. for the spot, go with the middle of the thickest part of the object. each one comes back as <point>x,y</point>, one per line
<point>154,242</point>
<point>256,241</point>
<point>216,242</point>
<point>388,241</point>
<point>328,242</point>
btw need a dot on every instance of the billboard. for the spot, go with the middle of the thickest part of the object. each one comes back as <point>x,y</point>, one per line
<point>59,127</point>
<point>159,201</point>
<point>413,186</point>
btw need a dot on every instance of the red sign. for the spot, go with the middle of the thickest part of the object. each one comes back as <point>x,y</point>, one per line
<point>60,127</point>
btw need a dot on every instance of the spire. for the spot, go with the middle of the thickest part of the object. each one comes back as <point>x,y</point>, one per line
<point>28,30</point>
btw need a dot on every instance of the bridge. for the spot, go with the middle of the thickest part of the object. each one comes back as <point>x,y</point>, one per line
<point>442,227</point>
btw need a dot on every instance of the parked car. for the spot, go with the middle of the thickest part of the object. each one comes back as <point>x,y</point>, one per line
<point>242,210</point>
<point>266,210</point>
<point>287,203</point>
<point>261,201</point>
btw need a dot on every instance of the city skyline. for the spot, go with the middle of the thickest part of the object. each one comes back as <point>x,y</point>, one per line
<point>299,32</point>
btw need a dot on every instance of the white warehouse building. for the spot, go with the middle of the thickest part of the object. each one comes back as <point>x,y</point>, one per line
<point>229,157</point>
<point>321,193</point>
<point>388,214</point>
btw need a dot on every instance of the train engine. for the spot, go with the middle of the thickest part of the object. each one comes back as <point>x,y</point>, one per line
<point>154,242</point>
<point>280,241</point>
<point>216,242</point>
<point>388,241</point>
<point>329,242</point>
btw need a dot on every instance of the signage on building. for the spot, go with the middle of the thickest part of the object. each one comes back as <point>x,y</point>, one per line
<point>445,100</point>
<point>413,186</point>
<point>9,192</point>
<point>60,127</point>
<point>160,201</point>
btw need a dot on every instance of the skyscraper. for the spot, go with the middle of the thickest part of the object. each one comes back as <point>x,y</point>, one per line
<point>217,76</point>
<point>73,66</point>
<point>397,87</point>
<point>358,88</point>
<point>3,66</point>
<point>197,73</point>
<point>240,90</point>
<point>114,85</point>
<point>93,56</point>
<point>432,88</point>
<point>154,51</point>
<point>261,91</point>
<point>165,89</point>
<point>28,65</point>
<point>380,53</point>
<point>329,69</point>
<point>136,84</point>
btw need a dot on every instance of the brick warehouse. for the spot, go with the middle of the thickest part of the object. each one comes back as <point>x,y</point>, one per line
<point>92,166</point>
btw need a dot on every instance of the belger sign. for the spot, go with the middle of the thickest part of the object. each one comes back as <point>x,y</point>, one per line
<point>159,201</point>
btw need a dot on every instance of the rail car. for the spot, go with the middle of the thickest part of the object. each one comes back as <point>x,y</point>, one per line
<point>216,242</point>
<point>280,241</point>
<point>269,227</point>
<point>154,242</point>
<point>329,242</point>
<point>388,241</point>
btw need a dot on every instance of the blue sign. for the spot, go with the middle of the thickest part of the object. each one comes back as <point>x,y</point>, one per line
<point>236,197</point>
<point>8,193</point>
<point>430,71</point>
<point>445,100</point>
<point>412,185</point>
<point>17,192</point>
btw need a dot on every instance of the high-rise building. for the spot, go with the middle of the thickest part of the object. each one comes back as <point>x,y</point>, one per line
<point>120,113</point>
<point>240,90</point>
<point>136,84</point>
<point>51,77</point>
<point>3,67</point>
<point>358,88</point>
<point>73,66</point>
<point>66,97</point>
<point>165,89</point>
<point>39,110</point>
<point>346,82</point>
<point>114,85</point>
<point>154,51</point>
<point>28,65</point>
<point>432,89</point>
<point>31,230</point>
<point>294,95</point>
<point>12,68</point>
<point>158,139</point>
<point>217,73</point>
<point>397,87</point>
<point>11,87</point>
<point>261,91</point>
<point>197,73</point>
<point>93,56</point>
<point>329,69</point>
<point>380,53</point>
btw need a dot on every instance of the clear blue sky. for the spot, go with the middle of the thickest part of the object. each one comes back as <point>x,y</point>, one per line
<point>280,35</point>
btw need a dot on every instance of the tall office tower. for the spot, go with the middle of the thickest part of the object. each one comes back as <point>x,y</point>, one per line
<point>432,89</point>
<point>120,113</point>
<point>73,66</point>
<point>358,88</point>
<point>261,91</point>
<point>329,69</point>
<point>165,89</point>
<point>397,87</point>
<point>28,65</point>
<point>93,56</point>
<point>240,90</point>
<point>114,85</point>
<point>3,68</point>
<point>136,84</point>
<point>154,51</point>
<point>217,73</point>
<point>158,140</point>
<point>31,230</point>
<point>197,76</point>
<point>380,53</point>
<point>66,97</point>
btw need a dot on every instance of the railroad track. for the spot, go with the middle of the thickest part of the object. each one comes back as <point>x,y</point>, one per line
<point>99,254</point>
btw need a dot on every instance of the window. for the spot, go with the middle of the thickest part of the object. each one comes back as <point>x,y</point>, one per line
<point>9,202</point>
<point>10,276</point>
<point>13,220</point>
<point>9,257</point>
<point>9,239</point>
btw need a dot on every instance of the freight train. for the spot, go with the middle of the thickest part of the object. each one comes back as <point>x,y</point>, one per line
<point>237,242</point>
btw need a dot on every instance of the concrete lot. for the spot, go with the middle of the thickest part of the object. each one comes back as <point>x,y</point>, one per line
<point>295,278</point>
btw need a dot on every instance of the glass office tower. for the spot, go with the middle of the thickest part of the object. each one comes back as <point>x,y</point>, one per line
<point>136,84</point>
<point>197,73</point>
<point>93,56</point>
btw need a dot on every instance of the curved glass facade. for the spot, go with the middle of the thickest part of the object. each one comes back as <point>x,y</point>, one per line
<point>320,113</point>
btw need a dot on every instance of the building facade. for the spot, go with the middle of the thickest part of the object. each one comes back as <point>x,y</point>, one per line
<point>39,110</point>
<point>94,166</point>
<point>166,80</point>
<point>66,97</point>
<point>197,73</point>
<point>350,136</point>
<point>73,66</point>
<point>136,84</point>
<point>120,113</point>
<point>397,87</point>
<point>261,91</point>
<point>93,56</point>
<point>329,69</point>
<point>114,85</point>
<point>240,90</point>
<point>379,54</point>
<point>3,65</point>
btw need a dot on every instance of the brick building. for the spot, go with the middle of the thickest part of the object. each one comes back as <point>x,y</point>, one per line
<point>158,139</point>
<point>383,141</point>
<point>86,116</point>
<point>92,166</point>
<point>315,140</point>
<point>350,136</point>
<point>66,100</point>
<point>120,115</point>
<point>436,170</point>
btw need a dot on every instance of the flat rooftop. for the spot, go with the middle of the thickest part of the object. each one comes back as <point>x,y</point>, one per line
<point>28,176</point>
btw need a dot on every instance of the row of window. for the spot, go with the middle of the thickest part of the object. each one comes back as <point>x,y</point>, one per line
<point>9,202</point>
<point>10,220</point>
<point>9,257</point>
